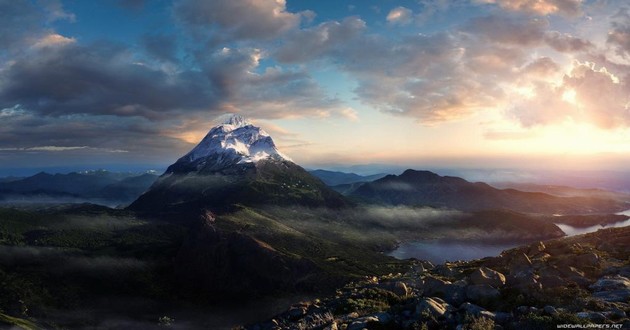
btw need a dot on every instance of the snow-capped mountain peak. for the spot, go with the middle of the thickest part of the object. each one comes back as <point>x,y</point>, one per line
<point>235,141</point>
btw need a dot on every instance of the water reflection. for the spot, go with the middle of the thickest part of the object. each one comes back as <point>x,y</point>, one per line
<point>441,251</point>
<point>572,231</point>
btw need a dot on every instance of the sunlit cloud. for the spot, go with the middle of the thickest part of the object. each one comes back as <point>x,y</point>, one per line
<point>400,15</point>
<point>569,8</point>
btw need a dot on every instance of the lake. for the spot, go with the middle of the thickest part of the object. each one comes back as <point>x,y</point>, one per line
<point>439,251</point>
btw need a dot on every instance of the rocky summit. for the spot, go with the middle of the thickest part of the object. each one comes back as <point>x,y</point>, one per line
<point>235,163</point>
<point>579,280</point>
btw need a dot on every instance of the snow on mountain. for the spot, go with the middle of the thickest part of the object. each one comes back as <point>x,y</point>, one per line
<point>235,139</point>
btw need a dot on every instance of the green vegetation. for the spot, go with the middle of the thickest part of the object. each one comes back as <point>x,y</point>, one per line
<point>17,322</point>
<point>67,259</point>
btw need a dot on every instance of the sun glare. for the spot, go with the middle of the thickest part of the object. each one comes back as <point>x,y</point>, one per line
<point>569,96</point>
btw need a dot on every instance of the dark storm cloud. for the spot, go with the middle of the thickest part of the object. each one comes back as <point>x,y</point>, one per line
<point>19,19</point>
<point>100,79</point>
<point>26,134</point>
<point>160,46</point>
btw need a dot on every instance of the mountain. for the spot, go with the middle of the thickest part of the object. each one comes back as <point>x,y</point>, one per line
<point>424,188</point>
<point>99,186</point>
<point>335,178</point>
<point>235,163</point>
<point>563,191</point>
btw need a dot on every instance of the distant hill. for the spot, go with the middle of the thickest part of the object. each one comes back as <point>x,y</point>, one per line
<point>424,188</point>
<point>334,178</point>
<point>102,187</point>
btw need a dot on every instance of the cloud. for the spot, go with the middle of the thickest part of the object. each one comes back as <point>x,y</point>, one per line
<point>521,31</point>
<point>564,42</point>
<point>619,35</point>
<point>19,20</point>
<point>587,93</point>
<point>312,43</point>
<point>603,97</point>
<point>569,8</point>
<point>400,15</point>
<point>58,148</point>
<point>238,19</point>
<point>55,10</point>
<point>163,47</point>
<point>542,67</point>
<point>99,79</point>
<point>272,93</point>
<point>53,40</point>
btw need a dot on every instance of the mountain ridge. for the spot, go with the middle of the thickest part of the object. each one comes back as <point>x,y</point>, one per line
<point>425,188</point>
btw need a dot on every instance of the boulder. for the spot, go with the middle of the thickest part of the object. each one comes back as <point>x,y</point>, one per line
<point>612,288</point>
<point>550,310</point>
<point>536,249</point>
<point>589,259</point>
<point>399,288</point>
<point>524,282</point>
<point>446,270</point>
<point>362,323</point>
<point>551,281</point>
<point>433,285</point>
<point>520,263</point>
<point>609,283</point>
<point>488,276</point>
<point>471,309</point>
<point>481,292</point>
<point>433,306</point>
<point>455,293</point>
<point>595,317</point>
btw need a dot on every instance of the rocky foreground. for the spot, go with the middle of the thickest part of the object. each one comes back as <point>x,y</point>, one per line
<point>569,282</point>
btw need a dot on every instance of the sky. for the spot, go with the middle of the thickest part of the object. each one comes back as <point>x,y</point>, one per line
<point>478,83</point>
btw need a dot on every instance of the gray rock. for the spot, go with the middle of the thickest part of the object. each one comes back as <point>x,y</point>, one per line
<point>297,312</point>
<point>551,281</point>
<point>445,270</point>
<point>434,306</point>
<point>589,259</point>
<point>488,276</point>
<point>550,310</point>
<point>526,310</point>
<point>608,283</point>
<point>613,296</point>
<point>502,317</point>
<point>433,285</point>
<point>399,288</point>
<point>471,309</point>
<point>455,293</point>
<point>524,281</point>
<point>596,317</point>
<point>481,292</point>
<point>520,263</point>
<point>362,323</point>
<point>487,314</point>
<point>616,314</point>
<point>383,317</point>
<point>332,326</point>
<point>537,248</point>
<point>612,288</point>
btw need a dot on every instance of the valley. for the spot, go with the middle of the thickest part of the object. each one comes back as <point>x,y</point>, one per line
<point>235,223</point>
